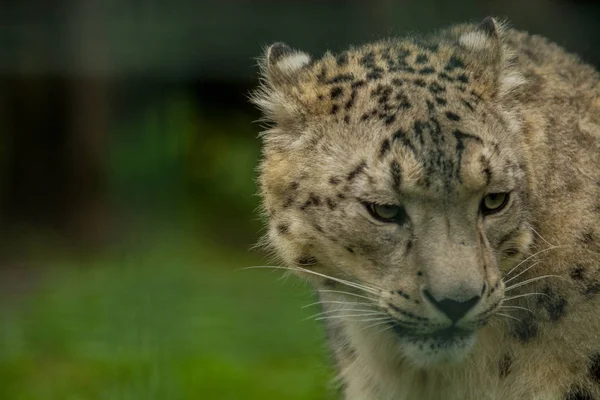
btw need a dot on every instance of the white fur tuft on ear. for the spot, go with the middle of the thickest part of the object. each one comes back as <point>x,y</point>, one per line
<point>293,62</point>
<point>476,41</point>
<point>281,59</point>
<point>485,36</point>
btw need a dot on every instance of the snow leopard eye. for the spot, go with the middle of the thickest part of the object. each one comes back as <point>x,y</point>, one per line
<point>387,212</point>
<point>494,202</point>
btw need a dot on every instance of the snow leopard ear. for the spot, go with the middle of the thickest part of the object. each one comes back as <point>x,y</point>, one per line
<point>276,96</point>
<point>485,37</point>
<point>282,63</point>
<point>491,56</point>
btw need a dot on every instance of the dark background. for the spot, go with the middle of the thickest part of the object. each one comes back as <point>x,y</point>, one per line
<point>127,189</point>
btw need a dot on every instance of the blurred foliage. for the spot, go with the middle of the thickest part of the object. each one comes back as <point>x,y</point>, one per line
<point>174,154</point>
<point>170,320</point>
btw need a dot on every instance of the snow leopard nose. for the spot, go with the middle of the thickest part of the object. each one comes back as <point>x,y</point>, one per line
<point>453,309</point>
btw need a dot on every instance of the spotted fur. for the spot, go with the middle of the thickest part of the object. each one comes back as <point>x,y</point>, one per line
<point>432,124</point>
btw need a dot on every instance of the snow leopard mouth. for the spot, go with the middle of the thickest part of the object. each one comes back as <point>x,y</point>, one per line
<point>444,337</point>
<point>444,346</point>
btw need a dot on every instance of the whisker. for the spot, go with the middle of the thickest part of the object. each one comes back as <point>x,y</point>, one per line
<point>540,236</point>
<point>339,311</point>
<point>517,307</point>
<point>522,272</point>
<point>385,329</point>
<point>364,288</point>
<point>378,324</point>
<point>526,295</point>
<point>508,316</point>
<point>339,302</point>
<point>516,285</point>
<point>347,293</point>
<point>531,256</point>
<point>353,318</point>
<point>349,316</point>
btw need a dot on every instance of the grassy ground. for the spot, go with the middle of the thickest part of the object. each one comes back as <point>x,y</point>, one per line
<point>164,321</point>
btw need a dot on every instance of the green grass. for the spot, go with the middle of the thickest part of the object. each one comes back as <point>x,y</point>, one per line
<point>165,321</point>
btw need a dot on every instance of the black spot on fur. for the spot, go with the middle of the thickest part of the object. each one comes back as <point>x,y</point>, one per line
<point>587,237</point>
<point>463,78</point>
<point>435,88</point>
<point>397,82</point>
<point>420,273</point>
<point>400,136</point>
<point>313,200</point>
<point>594,367</point>
<point>396,173</point>
<point>441,101</point>
<point>320,97</point>
<point>454,63</point>
<point>356,171</point>
<point>402,294</point>
<point>454,117</point>
<point>578,393</point>
<point>504,365</point>
<point>347,119</point>
<point>373,75</point>
<point>385,148</point>
<point>430,106</point>
<point>422,59</point>
<point>402,101</point>
<point>331,204</point>
<point>554,304</point>
<point>342,59</point>
<point>283,229</point>
<point>461,137</point>
<point>468,105</point>
<point>294,185</point>
<point>288,202</point>
<point>306,261</point>
<point>420,82</point>
<point>368,60</point>
<point>341,78</point>
<point>446,77</point>
<point>357,84</point>
<point>318,228</point>
<point>427,71</point>
<point>334,180</point>
<point>351,101</point>
<point>525,330</point>
<point>334,109</point>
<point>389,119</point>
<point>592,289</point>
<point>487,172</point>
<point>336,92</point>
<point>322,74</point>
<point>349,249</point>
<point>577,273</point>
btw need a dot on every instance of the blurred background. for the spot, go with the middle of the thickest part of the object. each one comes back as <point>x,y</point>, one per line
<point>127,190</point>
